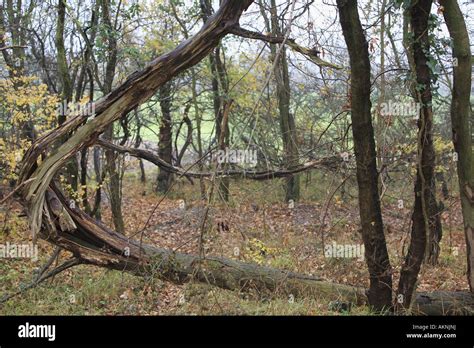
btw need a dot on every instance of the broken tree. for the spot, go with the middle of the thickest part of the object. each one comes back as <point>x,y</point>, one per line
<point>55,220</point>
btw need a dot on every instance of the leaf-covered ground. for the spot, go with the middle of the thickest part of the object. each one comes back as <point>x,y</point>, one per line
<point>255,226</point>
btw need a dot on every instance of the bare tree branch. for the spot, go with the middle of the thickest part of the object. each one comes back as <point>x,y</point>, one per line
<point>312,54</point>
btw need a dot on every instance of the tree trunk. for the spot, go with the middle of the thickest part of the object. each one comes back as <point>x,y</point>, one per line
<point>434,209</point>
<point>380,291</point>
<point>115,185</point>
<point>83,180</point>
<point>220,90</point>
<point>286,118</point>
<point>198,117</point>
<point>84,159</point>
<point>99,176</point>
<point>460,119</point>
<point>165,146</point>
<point>138,142</point>
<point>66,88</point>
<point>381,99</point>
<point>425,212</point>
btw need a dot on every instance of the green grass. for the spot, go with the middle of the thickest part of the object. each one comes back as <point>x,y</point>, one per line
<point>203,299</point>
<point>85,290</point>
<point>89,291</point>
<point>150,133</point>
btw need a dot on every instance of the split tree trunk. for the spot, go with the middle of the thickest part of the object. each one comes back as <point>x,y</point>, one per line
<point>138,88</point>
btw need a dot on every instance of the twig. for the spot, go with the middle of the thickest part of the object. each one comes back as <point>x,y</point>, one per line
<point>12,47</point>
<point>16,189</point>
<point>48,263</point>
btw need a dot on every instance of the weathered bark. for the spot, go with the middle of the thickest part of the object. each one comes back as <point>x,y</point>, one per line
<point>165,145</point>
<point>114,184</point>
<point>222,104</point>
<point>85,152</point>
<point>425,210</point>
<point>83,180</point>
<point>380,291</point>
<point>460,119</point>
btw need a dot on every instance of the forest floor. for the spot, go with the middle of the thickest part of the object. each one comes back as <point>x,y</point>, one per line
<point>255,226</point>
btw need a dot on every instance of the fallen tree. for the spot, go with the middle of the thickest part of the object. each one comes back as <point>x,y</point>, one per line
<point>93,243</point>
<point>58,221</point>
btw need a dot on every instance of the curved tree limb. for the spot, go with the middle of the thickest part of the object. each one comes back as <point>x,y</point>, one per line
<point>138,88</point>
<point>250,174</point>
